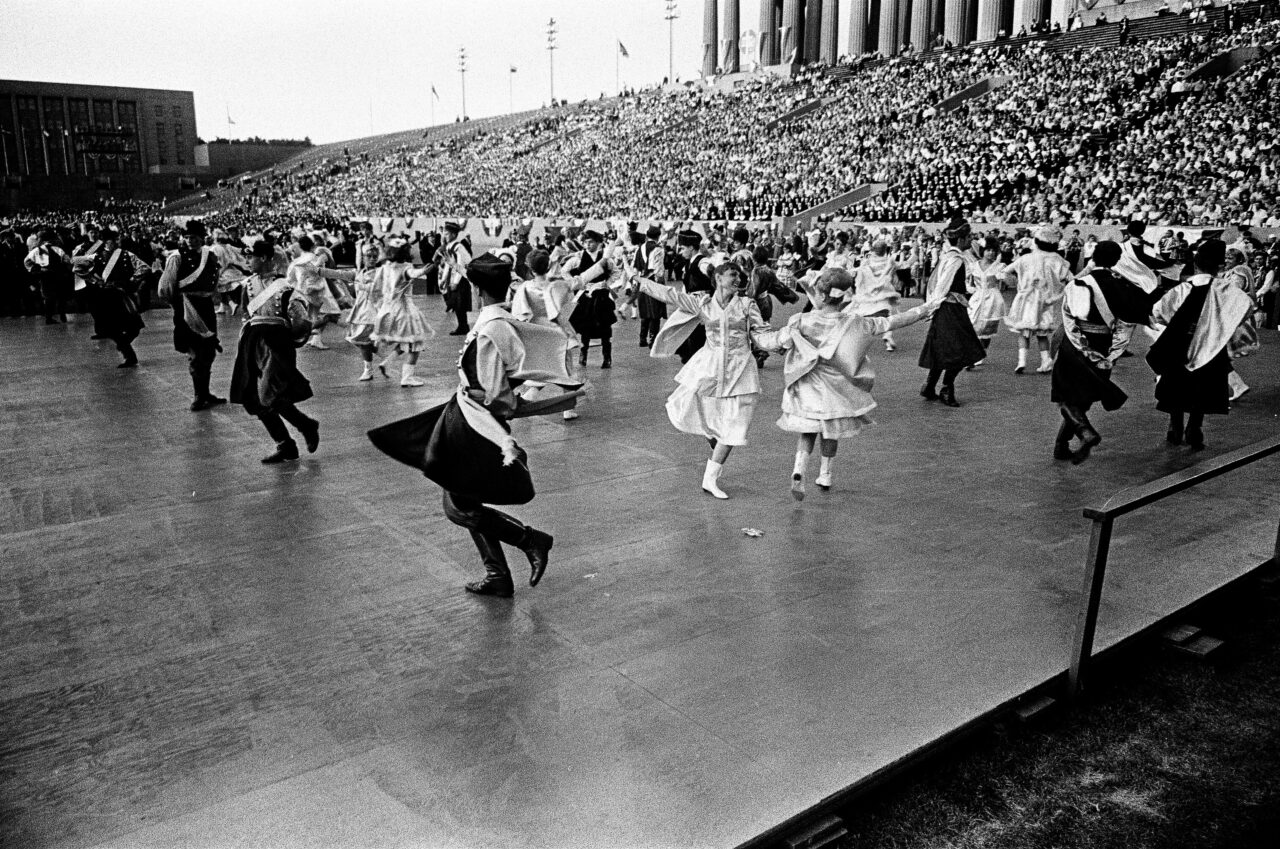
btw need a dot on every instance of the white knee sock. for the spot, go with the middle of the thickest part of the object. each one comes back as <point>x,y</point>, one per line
<point>802,463</point>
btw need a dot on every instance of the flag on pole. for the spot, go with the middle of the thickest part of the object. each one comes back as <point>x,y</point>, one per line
<point>433,92</point>
<point>513,69</point>
<point>622,48</point>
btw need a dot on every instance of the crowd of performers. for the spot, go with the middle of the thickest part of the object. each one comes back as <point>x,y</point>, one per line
<point>708,305</point>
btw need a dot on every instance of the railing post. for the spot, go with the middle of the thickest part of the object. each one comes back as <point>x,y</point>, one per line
<point>1275,554</point>
<point>1087,619</point>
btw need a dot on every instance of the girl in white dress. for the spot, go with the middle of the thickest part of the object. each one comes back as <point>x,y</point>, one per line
<point>399,321</point>
<point>874,293</point>
<point>305,277</point>
<point>1037,307</point>
<point>827,376</point>
<point>987,308</point>
<point>368,302</point>
<point>549,303</point>
<point>718,387</point>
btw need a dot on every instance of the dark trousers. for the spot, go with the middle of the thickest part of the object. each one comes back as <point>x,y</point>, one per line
<point>200,359</point>
<point>606,348</point>
<point>273,421</point>
<point>948,377</point>
<point>461,315</point>
<point>489,530</point>
<point>124,344</point>
<point>649,329</point>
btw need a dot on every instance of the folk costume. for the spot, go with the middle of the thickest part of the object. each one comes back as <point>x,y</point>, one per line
<point>110,289</point>
<point>465,445</point>
<point>399,322</point>
<point>367,291</point>
<point>951,343</point>
<point>233,268</point>
<point>874,293</point>
<point>265,379</point>
<point>51,268</point>
<point>190,283</point>
<point>1094,338</point>
<point>593,313</point>
<point>826,373</point>
<point>454,286</point>
<point>699,276</point>
<point>719,385</point>
<point>650,262</point>
<point>547,303</point>
<point>1190,359</point>
<point>987,308</point>
<point>1040,275</point>
<point>1244,341</point>
<point>306,278</point>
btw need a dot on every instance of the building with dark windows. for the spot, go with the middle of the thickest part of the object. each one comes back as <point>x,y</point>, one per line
<point>57,129</point>
<point>69,145</point>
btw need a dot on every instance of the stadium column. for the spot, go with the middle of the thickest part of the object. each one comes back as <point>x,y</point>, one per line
<point>989,19</point>
<point>1025,14</point>
<point>731,28</point>
<point>792,31</point>
<point>812,30</point>
<point>887,35</point>
<point>767,46</point>
<point>710,32</point>
<point>830,31</point>
<point>857,27</point>
<point>921,19</point>
<point>954,24</point>
<point>1059,11</point>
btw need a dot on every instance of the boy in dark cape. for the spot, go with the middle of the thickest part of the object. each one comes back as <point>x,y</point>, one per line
<point>465,445</point>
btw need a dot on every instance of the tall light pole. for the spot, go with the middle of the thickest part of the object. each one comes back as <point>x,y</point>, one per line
<point>670,18</point>
<point>462,69</point>
<point>551,56</point>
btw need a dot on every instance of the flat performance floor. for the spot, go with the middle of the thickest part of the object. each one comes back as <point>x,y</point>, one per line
<point>200,651</point>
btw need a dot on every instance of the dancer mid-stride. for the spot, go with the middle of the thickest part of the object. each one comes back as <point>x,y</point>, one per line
<point>1190,359</point>
<point>399,323</point>
<point>951,343</point>
<point>719,385</point>
<point>465,445</point>
<point>368,301</point>
<point>826,373</point>
<point>1094,339</point>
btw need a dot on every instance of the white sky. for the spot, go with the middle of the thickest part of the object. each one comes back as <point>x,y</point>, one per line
<point>288,69</point>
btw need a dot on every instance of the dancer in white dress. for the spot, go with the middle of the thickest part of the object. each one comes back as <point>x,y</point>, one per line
<point>305,278</point>
<point>1036,311</point>
<point>719,385</point>
<point>368,302</point>
<point>987,308</point>
<point>827,376</point>
<point>549,303</point>
<point>399,321</point>
<point>874,294</point>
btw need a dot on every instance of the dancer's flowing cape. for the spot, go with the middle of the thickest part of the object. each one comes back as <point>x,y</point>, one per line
<point>463,447</point>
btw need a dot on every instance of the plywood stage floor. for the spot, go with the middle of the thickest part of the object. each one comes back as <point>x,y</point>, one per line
<point>200,651</point>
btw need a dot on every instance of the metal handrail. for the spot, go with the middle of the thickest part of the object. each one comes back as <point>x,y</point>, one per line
<point>1127,501</point>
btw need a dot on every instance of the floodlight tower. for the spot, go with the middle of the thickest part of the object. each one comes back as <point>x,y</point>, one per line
<point>462,69</point>
<point>670,18</point>
<point>551,56</point>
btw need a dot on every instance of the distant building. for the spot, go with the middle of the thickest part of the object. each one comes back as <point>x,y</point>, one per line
<point>70,145</point>
<point>58,129</point>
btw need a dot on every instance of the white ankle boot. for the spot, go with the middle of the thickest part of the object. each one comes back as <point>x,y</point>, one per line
<point>823,480</point>
<point>710,479</point>
<point>1046,363</point>
<point>367,374</point>
<point>316,342</point>
<point>407,378</point>
<point>1022,361</point>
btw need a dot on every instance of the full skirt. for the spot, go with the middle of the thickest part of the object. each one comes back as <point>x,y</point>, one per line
<point>723,419</point>
<point>951,342</point>
<point>402,323</point>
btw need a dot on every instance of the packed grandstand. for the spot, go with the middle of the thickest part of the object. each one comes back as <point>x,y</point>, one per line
<point>1074,129</point>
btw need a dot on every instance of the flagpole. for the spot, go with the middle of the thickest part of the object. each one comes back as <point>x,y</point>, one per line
<point>617,66</point>
<point>511,87</point>
<point>433,104</point>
